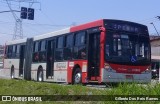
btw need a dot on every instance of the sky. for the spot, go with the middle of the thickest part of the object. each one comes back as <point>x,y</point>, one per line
<point>52,15</point>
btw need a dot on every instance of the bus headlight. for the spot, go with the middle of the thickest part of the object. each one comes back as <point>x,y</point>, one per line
<point>108,68</point>
<point>148,70</point>
<point>106,65</point>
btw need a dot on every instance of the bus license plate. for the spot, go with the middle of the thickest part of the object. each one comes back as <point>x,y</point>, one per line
<point>129,76</point>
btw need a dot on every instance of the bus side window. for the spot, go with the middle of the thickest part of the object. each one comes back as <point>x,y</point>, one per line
<point>18,51</point>
<point>42,53</point>
<point>59,49</point>
<point>9,53</point>
<point>68,47</point>
<point>79,50</point>
<point>35,52</point>
<point>14,51</point>
<point>6,50</point>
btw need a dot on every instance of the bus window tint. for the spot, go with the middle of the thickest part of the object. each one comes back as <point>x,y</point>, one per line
<point>14,51</point>
<point>9,54</point>
<point>79,51</point>
<point>68,47</point>
<point>36,47</point>
<point>42,52</point>
<point>17,51</point>
<point>60,42</point>
<point>43,45</point>
<point>123,47</point>
<point>59,50</point>
<point>69,40</point>
<point>35,53</point>
<point>80,39</point>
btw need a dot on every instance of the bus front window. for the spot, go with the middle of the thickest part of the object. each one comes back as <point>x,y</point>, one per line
<point>127,48</point>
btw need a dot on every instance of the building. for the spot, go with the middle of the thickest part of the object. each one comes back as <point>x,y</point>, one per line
<point>155,55</point>
<point>1,55</point>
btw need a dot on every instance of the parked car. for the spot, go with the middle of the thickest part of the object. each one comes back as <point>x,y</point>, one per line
<point>155,69</point>
<point>1,64</point>
<point>155,73</point>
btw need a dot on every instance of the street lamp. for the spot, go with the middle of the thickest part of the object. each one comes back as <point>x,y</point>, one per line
<point>154,27</point>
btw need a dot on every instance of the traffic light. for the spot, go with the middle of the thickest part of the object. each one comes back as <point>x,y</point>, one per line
<point>30,13</point>
<point>23,13</point>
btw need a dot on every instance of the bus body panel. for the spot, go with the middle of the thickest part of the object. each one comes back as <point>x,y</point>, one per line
<point>83,67</point>
<point>128,68</point>
<point>9,62</point>
<point>97,23</point>
<point>60,71</point>
<point>34,69</point>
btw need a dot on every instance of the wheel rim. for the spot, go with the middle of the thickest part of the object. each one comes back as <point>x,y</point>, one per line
<point>12,74</point>
<point>40,76</point>
<point>77,78</point>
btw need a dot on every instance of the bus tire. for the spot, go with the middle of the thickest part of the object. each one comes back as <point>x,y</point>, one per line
<point>12,73</point>
<point>77,76</point>
<point>40,75</point>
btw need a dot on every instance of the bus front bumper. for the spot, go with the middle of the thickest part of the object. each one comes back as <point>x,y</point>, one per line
<point>108,76</point>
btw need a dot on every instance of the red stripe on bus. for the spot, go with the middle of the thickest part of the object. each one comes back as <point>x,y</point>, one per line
<point>87,25</point>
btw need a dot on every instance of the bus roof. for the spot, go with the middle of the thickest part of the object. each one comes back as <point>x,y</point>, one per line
<point>88,25</point>
<point>51,34</point>
<point>16,41</point>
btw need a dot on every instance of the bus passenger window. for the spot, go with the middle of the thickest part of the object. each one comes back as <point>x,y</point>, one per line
<point>68,47</point>
<point>79,51</point>
<point>42,52</point>
<point>35,52</point>
<point>69,40</point>
<point>9,53</point>
<point>36,46</point>
<point>43,45</point>
<point>59,50</point>
<point>60,42</point>
<point>14,51</point>
<point>17,51</point>
<point>35,57</point>
<point>80,38</point>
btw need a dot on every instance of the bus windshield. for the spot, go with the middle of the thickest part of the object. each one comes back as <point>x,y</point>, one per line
<point>125,48</point>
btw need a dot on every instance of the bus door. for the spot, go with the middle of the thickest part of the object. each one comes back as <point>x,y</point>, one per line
<point>21,61</point>
<point>50,58</point>
<point>94,55</point>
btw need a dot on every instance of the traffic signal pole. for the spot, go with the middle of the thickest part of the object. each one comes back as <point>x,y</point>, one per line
<point>18,31</point>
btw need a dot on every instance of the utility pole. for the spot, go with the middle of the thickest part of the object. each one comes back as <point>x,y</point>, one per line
<point>18,29</point>
<point>154,28</point>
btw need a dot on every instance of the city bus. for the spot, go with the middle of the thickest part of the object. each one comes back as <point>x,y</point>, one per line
<point>102,51</point>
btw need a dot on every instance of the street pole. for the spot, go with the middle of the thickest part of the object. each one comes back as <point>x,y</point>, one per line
<point>154,27</point>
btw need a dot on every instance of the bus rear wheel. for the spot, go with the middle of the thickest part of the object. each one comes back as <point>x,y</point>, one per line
<point>40,76</point>
<point>77,76</point>
<point>12,73</point>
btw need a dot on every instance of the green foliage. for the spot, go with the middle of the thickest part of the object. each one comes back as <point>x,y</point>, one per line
<point>23,87</point>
